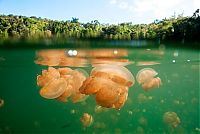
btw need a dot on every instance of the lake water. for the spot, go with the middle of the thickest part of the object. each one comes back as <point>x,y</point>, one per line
<point>25,111</point>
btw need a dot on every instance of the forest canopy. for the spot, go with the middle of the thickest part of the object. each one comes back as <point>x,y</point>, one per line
<point>31,28</point>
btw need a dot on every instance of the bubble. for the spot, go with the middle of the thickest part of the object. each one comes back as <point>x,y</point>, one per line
<point>86,120</point>
<point>175,54</point>
<point>74,52</point>
<point>73,111</point>
<point>70,52</point>
<point>144,110</point>
<point>162,101</point>
<point>115,52</point>
<point>130,112</point>
<point>171,119</point>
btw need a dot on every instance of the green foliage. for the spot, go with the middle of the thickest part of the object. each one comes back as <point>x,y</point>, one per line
<point>31,28</point>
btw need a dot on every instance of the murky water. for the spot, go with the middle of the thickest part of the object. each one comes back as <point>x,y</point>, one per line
<point>23,110</point>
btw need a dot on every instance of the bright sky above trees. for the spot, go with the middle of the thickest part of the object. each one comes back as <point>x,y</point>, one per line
<point>106,11</point>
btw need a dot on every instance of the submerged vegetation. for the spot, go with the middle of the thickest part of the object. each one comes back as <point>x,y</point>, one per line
<point>31,28</point>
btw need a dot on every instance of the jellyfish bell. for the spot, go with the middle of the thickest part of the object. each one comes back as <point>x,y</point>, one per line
<point>86,120</point>
<point>153,83</point>
<point>119,62</point>
<point>64,71</point>
<point>54,89</point>
<point>142,98</point>
<point>91,85</point>
<point>75,80</point>
<point>79,97</point>
<point>47,76</point>
<point>67,93</point>
<point>172,119</point>
<point>99,109</point>
<point>116,73</point>
<point>142,121</point>
<point>73,61</point>
<point>145,75</point>
<point>110,85</point>
<point>108,53</point>
<point>107,95</point>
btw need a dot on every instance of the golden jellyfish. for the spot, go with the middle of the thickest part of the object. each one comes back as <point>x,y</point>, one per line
<point>99,125</point>
<point>58,57</point>
<point>1,102</point>
<point>61,84</point>
<point>147,63</point>
<point>143,121</point>
<point>172,119</point>
<point>86,120</point>
<point>142,98</point>
<point>99,109</point>
<point>108,53</point>
<point>47,76</point>
<point>54,89</point>
<point>109,83</point>
<point>110,60</point>
<point>146,77</point>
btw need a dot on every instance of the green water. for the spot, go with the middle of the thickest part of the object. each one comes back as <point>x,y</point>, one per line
<point>25,111</point>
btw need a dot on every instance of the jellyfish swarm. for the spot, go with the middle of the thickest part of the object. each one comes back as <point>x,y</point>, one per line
<point>61,84</point>
<point>109,84</point>
<point>86,120</point>
<point>145,77</point>
<point>172,119</point>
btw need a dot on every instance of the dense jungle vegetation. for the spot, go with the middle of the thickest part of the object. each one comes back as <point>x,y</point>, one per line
<point>32,28</point>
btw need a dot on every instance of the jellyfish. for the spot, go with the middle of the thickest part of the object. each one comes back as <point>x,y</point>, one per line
<point>171,119</point>
<point>147,63</point>
<point>99,109</point>
<point>109,84</point>
<point>61,83</point>
<point>54,89</point>
<point>108,53</point>
<point>47,76</point>
<point>145,77</point>
<point>120,62</point>
<point>1,102</point>
<point>59,58</point>
<point>142,121</point>
<point>142,98</point>
<point>86,120</point>
<point>99,125</point>
<point>75,80</point>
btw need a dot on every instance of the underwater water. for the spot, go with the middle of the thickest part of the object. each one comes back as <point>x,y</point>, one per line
<point>24,110</point>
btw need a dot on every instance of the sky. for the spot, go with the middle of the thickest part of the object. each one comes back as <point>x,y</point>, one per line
<point>105,11</point>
